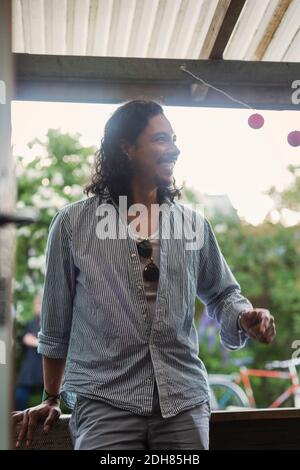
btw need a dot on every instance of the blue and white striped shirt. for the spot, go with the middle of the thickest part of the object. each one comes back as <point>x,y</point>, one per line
<point>95,312</point>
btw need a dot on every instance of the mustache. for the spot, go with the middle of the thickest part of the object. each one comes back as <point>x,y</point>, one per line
<point>168,159</point>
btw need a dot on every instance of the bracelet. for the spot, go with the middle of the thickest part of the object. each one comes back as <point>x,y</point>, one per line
<point>47,396</point>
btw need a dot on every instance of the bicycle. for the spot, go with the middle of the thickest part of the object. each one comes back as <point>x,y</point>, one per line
<point>227,391</point>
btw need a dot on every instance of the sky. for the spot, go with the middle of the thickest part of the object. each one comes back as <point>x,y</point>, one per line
<point>220,153</point>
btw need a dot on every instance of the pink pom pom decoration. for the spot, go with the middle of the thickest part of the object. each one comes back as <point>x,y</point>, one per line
<point>256,121</point>
<point>293,138</point>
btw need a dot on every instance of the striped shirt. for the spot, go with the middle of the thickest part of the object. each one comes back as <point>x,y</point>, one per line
<point>150,286</point>
<point>95,312</point>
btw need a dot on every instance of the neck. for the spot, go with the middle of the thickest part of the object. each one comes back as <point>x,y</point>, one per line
<point>143,193</point>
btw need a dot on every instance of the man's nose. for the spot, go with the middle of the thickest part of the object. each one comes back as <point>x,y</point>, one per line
<point>176,150</point>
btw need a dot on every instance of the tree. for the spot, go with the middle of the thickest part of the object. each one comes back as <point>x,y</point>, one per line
<point>52,177</point>
<point>266,262</point>
<point>290,197</point>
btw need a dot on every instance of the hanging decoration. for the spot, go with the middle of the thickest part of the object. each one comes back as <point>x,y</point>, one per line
<point>293,138</point>
<point>255,120</point>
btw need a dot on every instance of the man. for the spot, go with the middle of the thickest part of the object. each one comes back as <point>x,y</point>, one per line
<point>119,299</point>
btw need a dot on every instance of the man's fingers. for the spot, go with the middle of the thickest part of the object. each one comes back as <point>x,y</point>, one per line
<point>267,320</point>
<point>252,318</point>
<point>270,333</point>
<point>23,430</point>
<point>52,417</point>
<point>256,315</point>
<point>260,325</point>
<point>257,330</point>
<point>17,417</point>
<point>266,336</point>
<point>252,334</point>
<point>259,320</point>
<point>32,424</point>
<point>266,326</point>
<point>263,325</point>
<point>30,419</point>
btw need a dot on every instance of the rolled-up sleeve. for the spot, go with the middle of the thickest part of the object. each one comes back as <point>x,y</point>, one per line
<point>220,292</point>
<point>59,287</point>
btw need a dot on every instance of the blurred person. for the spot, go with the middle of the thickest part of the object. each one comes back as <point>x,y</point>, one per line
<point>30,378</point>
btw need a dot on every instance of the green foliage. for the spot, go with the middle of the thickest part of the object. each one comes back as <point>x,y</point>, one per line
<point>52,177</point>
<point>289,198</point>
<point>266,262</point>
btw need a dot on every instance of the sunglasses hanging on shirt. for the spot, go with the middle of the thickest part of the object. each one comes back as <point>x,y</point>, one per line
<point>151,271</point>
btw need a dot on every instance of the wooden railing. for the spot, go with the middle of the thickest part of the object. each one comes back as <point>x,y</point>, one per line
<point>229,430</point>
<point>256,429</point>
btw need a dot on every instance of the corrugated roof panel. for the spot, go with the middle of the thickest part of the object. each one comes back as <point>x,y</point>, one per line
<point>77,26</point>
<point>17,27</point>
<point>293,52</point>
<point>122,19</point>
<point>99,27</point>
<point>55,26</point>
<point>247,26</point>
<point>163,28</point>
<point>184,28</point>
<point>33,26</point>
<point>265,30</point>
<point>202,27</point>
<point>285,33</point>
<point>142,28</point>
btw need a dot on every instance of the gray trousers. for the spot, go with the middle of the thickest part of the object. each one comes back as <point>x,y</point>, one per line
<point>95,425</point>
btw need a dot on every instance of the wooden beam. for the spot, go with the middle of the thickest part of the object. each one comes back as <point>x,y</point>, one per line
<point>112,80</point>
<point>272,28</point>
<point>214,28</point>
<point>231,17</point>
<point>259,429</point>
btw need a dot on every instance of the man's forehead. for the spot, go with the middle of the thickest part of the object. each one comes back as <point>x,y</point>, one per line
<point>159,123</point>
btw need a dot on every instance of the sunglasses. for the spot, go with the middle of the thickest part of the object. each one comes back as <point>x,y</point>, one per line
<point>151,271</point>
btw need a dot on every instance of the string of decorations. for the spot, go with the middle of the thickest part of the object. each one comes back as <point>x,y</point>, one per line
<point>255,120</point>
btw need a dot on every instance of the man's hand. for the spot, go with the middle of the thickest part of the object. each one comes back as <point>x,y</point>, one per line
<point>47,412</point>
<point>259,324</point>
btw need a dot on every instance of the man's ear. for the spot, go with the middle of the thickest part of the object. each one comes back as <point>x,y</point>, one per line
<point>126,148</point>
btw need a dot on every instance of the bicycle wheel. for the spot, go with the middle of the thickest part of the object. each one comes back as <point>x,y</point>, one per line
<point>226,394</point>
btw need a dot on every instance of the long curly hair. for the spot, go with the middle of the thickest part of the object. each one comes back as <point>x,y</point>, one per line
<point>113,171</point>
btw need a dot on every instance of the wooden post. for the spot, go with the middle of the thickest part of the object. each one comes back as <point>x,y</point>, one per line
<point>7,231</point>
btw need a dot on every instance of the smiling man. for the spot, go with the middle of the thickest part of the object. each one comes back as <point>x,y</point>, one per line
<point>117,337</point>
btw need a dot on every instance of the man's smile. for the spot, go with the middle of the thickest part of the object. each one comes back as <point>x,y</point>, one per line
<point>167,163</point>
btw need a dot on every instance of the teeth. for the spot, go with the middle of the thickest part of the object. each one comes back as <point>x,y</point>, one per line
<point>169,166</point>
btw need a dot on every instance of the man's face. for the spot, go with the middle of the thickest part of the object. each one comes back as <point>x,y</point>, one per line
<point>154,154</point>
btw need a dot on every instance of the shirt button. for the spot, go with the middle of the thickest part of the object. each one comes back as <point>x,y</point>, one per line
<point>133,255</point>
<point>140,287</point>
